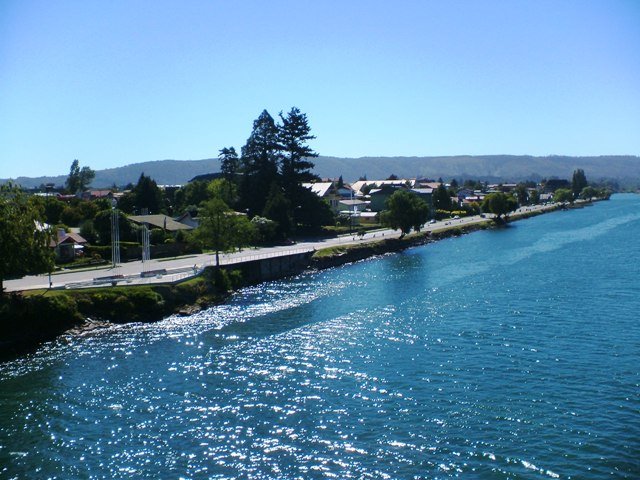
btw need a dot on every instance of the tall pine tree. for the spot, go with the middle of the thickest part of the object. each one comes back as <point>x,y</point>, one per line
<point>229,163</point>
<point>293,134</point>
<point>259,163</point>
<point>578,182</point>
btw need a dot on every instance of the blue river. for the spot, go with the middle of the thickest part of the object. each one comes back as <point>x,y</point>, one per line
<point>502,354</point>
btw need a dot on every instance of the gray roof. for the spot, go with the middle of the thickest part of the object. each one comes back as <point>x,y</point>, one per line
<point>160,221</point>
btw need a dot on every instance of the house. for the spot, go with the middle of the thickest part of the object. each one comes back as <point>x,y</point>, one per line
<point>464,193</point>
<point>67,245</point>
<point>95,194</point>
<point>427,184</point>
<point>187,219</point>
<point>425,194</point>
<point>359,186</point>
<point>379,196</point>
<point>159,221</point>
<point>330,192</point>
<point>355,205</point>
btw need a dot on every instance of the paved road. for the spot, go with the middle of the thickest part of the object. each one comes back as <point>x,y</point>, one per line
<point>170,270</point>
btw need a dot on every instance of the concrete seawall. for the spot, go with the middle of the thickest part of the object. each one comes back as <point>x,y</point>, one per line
<point>273,268</point>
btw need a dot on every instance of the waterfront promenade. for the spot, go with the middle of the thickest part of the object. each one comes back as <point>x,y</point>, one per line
<point>168,270</point>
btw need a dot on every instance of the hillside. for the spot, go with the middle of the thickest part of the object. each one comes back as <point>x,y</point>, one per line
<point>624,169</point>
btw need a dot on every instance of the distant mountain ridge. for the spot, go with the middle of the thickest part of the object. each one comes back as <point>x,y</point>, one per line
<point>494,168</point>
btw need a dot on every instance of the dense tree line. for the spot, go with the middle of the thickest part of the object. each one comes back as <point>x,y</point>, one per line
<point>265,180</point>
<point>24,240</point>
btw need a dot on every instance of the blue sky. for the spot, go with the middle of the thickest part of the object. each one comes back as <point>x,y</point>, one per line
<point>118,82</point>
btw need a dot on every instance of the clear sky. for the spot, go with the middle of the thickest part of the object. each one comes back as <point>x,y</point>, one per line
<point>118,82</point>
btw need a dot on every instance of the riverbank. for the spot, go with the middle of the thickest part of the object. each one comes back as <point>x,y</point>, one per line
<point>45,314</point>
<point>31,318</point>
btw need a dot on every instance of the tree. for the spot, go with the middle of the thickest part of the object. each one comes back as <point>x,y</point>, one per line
<point>563,195</point>
<point>588,193</point>
<point>534,197</point>
<point>295,168</point>
<point>404,211</point>
<point>190,195</point>
<point>499,204</point>
<point>278,209</point>
<point>441,198</point>
<point>311,211</point>
<point>578,182</point>
<point>79,179</point>
<point>522,194</point>
<point>223,189</point>
<point>102,227</point>
<point>221,228</point>
<point>52,207</point>
<point>24,240</point>
<point>259,164</point>
<point>265,229</point>
<point>293,134</point>
<point>145,195</point>
<point>229,163</point>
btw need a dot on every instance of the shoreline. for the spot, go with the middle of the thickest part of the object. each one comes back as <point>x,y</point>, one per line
<point>48,315</point>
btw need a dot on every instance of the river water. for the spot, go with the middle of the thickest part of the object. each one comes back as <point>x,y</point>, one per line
<point>501,354</point>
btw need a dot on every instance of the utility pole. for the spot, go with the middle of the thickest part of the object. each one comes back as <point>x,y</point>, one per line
<point>146,249</point>
<point>115,235</point>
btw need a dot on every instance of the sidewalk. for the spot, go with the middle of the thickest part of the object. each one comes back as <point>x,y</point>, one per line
<point>181,268</point>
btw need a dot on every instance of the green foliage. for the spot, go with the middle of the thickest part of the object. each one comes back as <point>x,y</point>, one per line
<point>51,206</point>
<point>229,163</point>
<point>158,236</point>
<point>191,195</point>
<point>224,280</point>
<point>265,229</point>
<point>221,228</point>
<point>24,243</point>
<point>79,179</point>
<point>441,199</point>
<point>102,226</point>
<point>587,193</point>
<point>122,304</point>
<point>311,211</point>
<point>578,182</point>
<point>293,134</point>
<point>278,208</point>
<point>146,195</point>
<point>404,211</point>
<point>499,204</point>
<point>29,319</point>
<point>259,164</point>
<point>473,208</point>
<point>563,195</point>
<point>223,189</point>
<point>88,231</point>
<point>534,197</point>
<point>522,194</point>
<point>71,216</point>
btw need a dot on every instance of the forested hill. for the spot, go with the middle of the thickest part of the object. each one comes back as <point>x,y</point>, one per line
<point>487,167</point>
<point>624,169</point>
